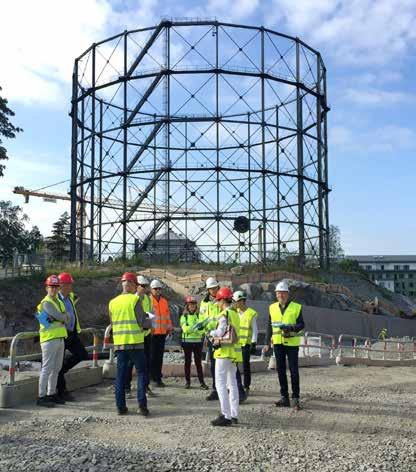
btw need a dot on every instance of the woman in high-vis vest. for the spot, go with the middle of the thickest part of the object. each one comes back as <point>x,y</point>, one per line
<point>52,317</point>
<point>226,358</point>
<point>162,327</point>
<point>284,327</point>
<point>192,340</point>
<point>248,335</point>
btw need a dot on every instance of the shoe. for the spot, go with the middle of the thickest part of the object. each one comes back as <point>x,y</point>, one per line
<point>242,397</point>
<point>150,392</point>
<point>234,420</point>
<point>122,411</point>
<point>283,402</point>
<point>247,391</point>
<point>45,401</point>
<point>295,404</point>
<point>221,421</point>
<point>204,386</point>
<point>56,399</point>
<point>129,394</point>
<point>212,396</point>
<point>188,385</point>
<point>143,410</point>
<point>160,384</point>
<point>68,397</point>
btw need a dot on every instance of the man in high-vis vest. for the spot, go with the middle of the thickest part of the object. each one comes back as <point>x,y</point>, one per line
<point>128,323</point>
<point>73,343</point>
<point>209,309</point>
<point>248,336</point>
<point>226,358</point>
<point>162,326</point>
<point>284,327</point>
<point>52,318</point>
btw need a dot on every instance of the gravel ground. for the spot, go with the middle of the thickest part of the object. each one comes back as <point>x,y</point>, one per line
<point>354,419</point>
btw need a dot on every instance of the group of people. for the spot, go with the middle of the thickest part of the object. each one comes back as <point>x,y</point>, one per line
<point>140,320</point>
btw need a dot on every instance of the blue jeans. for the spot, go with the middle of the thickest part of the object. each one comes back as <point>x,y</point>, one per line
<point>136,356</point>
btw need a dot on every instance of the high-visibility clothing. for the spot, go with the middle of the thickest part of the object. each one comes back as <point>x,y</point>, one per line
<point>147,308</point>
<point>163,323</point>
<point>57,328</point>
<point>246,330</point>
<point>187,321</point>
<point>73,298</point>
<point>289,317</point>
<point>126,329</point>
<point>232,351</point>
<point>209,309</point>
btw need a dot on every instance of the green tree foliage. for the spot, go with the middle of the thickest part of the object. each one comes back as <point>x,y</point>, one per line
<point>58,243</point>
<point>7,129</point>
<point>14,237</point>
<point>335,248</point>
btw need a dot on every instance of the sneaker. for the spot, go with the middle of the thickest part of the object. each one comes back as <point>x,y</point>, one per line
<point>212,396</point>
<point>221,421</point>
<point>129,394</point>
<point>283,402</point>
<point>204,386</point>
<point>143,410</point>
<point>188,385</point>
<point>295,404</point>
<point>242,397</point>
<point>56,399</point>
<point>45,401</point>
<point>150,392</point>
<point>122,411</point>
<point>234,420</point>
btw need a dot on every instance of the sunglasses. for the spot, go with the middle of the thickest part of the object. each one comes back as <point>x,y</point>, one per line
<point>141,285</point>
<point>158,288</point>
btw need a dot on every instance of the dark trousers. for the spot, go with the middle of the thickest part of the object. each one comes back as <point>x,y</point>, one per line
<point>246,351</point>
<point>211,363</point>
<point>156,358</point>
<point>135,356</point>
<point>74,345</point>
<point>196,350</point>
<point>292,354</point>
<point>147,348</point>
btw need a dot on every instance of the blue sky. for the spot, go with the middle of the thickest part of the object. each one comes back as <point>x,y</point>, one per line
<point>370,54</point>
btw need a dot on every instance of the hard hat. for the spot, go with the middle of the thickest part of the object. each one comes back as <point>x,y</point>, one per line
<point>212,282</point>
<point>156,284</point>
<point>65,278</point>
<point>129,277</point>
<point>52,281</point>
<point>224,293</point>
<point>141,280</point>
<point>239,295</point>
<point>282,286</point>
<point>190,299</point>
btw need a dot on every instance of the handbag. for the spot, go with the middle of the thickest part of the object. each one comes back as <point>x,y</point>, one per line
<point>228,338</point>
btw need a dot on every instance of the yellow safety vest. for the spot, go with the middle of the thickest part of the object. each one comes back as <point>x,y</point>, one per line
<point>187,321</point>
<point>232,352</point>
<point>147,308</point>
<point>246,331</point>
<point>73,299</point>
<point>57,328</point>
<point>289,317</point>
<point>126,330</point>
<point>209,310</point>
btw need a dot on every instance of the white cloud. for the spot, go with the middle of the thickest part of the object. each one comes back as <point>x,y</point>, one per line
<point>378,97</point>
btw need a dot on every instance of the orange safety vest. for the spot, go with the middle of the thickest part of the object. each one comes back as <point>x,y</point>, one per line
<point>163,323</point>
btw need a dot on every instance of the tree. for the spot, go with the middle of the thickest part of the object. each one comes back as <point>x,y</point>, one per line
<point>7,129</point>
<point>58,243</point>
<point>13,235</point>
<point>335,248</point>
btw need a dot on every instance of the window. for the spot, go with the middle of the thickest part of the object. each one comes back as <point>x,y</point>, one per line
<point>410,284</point>
<point>410,276</point>
<point>368,267</point>
<point>382,267</point>
<point>403,286</point>
<point>406,267</point>
<point>400,276</point>
<point>396,267</point>
<point>395,276</point>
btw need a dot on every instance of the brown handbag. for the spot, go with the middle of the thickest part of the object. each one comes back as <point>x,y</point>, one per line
<point>229,337</point>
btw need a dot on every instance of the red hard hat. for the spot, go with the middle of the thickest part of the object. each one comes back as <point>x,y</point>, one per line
<point>224,293</point>
<point>129,277</point>
<point>65,278</point>
<point>190,299</point>
<point>52,281</point>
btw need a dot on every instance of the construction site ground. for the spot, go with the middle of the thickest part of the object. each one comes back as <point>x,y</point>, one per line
<point>353,419</point>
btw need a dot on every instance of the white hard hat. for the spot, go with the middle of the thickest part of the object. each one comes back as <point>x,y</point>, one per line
<point>156,284</point>
<point>212,282</point>
<point>282,286</point>
<point>239,295</point>
<point>142,280</point>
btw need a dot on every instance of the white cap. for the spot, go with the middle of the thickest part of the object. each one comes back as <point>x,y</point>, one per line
<point>282,286</point>
<point>156,284</point>
<point>239,295</point>
<point>212,282</point>
<point>142,280</point>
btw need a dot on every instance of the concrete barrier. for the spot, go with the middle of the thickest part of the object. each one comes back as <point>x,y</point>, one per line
<point>26,390</point>
<point>346,361</point>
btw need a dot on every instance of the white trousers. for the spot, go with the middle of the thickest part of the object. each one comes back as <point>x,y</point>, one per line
<point>225,378</point>
<point>52,358</point>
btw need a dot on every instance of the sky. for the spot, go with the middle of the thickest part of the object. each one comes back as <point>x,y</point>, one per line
<point>369,49</point>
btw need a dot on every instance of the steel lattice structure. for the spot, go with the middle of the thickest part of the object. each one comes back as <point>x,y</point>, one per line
<point>180,128</point>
